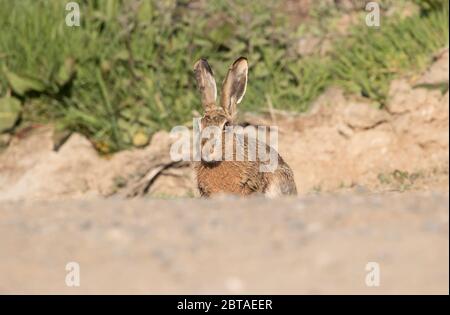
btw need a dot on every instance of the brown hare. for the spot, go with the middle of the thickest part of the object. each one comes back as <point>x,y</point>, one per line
<point>232,175</point>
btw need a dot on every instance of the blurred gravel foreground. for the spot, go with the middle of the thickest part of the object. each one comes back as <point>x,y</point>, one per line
<point>308,245</point>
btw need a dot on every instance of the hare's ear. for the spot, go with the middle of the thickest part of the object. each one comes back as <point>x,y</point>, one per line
<point>206,83</point>
<point>233,88</point>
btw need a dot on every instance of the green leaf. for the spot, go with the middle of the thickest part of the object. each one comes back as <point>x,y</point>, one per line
<point>66,73</point>
<point>23,84</point>
<point>10,109</point>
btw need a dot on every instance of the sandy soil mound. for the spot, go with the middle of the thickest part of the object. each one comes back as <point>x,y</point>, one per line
<point>350,143</point>
<point>342,143</point>
<point>31,169</point>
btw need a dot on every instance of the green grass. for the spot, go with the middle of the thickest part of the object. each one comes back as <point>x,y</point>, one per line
<point>366,62</point>
<point>127,70</point>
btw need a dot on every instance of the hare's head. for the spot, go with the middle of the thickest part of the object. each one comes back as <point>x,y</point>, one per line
<point>233,90</point>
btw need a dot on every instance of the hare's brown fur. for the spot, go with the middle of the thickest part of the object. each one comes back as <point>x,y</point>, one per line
<point>234,177</point>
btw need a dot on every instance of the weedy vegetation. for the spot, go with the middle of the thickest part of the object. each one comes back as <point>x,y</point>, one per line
<point>126,72</point>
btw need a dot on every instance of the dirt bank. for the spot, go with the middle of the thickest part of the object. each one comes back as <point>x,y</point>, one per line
<point>343,143</point>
